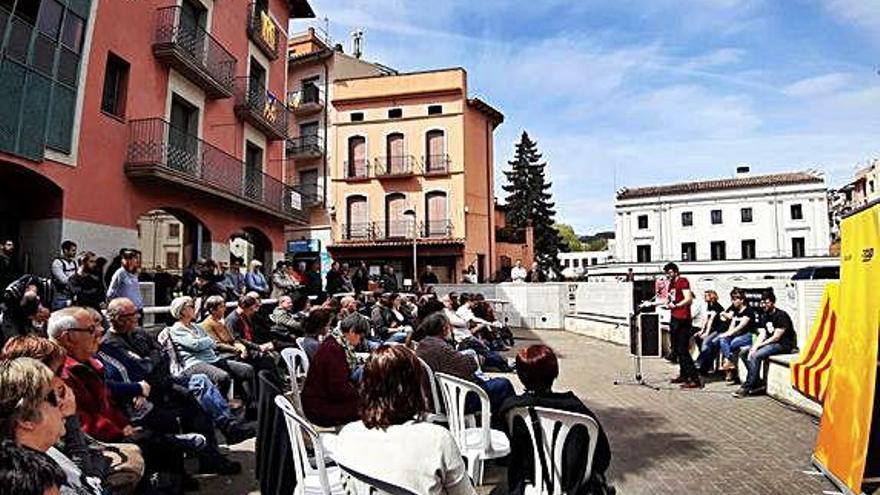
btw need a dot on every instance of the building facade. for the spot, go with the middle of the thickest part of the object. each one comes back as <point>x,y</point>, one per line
<point>412,154</point>
<point>115,109</point>
<point>577,263</point>
<point>313,66</point>
<point>742,218</point>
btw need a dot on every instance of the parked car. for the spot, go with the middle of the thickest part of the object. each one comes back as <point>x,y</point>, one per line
<point>817,273</point>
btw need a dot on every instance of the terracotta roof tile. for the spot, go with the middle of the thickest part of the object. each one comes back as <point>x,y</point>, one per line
<point>721,184</point>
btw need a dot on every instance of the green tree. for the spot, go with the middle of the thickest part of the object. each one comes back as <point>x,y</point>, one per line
<point>529,199</point>
<point>568,238</point>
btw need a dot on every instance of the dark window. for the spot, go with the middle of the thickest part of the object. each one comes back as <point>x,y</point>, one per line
<point>643,222</point>
<point>566,263</point>
<point>594,261</point>
<point>797,212</point>
<point>49,19</point>
<point>688,251</point>
<point>115,86</point>
<point>72,34</point>
<point>643,254</point>
<point>718,250</point>
<point>576,263</point>
<point>173,230</point>
<point>357,116</point>
<point>172,260</point>
<point>395,113</point>
<point>183,152</point>
<point>253,171</point>
<point>748,249</point>
<point>745,215</point>
<point>798,247</point>
<point>716,217</point>
<point>687,218</point>
<point>435,109</point>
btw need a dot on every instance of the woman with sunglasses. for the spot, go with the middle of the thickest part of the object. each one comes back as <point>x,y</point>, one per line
<point>31,416</point>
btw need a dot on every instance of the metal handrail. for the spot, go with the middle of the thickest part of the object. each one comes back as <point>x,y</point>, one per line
<point>437,228</point>
<point>156,142</point>
<point>309,94</point>
<point>395,165</point>
<point>435,164</point>
<point>172,27</point>
<point>252,94</point>
<point>357,169</point>
<point>305,144</point>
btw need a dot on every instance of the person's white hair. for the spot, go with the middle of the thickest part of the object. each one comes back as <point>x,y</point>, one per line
<point>177,305</point>
<point>255,263</point>
<point>61,321</point>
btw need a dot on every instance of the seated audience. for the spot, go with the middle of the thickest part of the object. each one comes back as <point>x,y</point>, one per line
<point>777,336</point>
<point>236,333</point>
<point>743,322</point>
<point>435,350</point>
<point>537,368</point>
<point>710,333</point>
<point>329,395</point>
<point>119,466</point>
<point>255,280</point>
<point>32,416</point>
<point>25,471</point>
<point>86,287</point>
<point>389,323</point>
<point>198,353</point>
<point>26,304</point>
<point>287,318</point>
<point>315,328</point>
<point>420,457</point>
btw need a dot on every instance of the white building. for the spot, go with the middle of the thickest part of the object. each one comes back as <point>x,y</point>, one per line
<point>748,217</point>
<point>577,263</point>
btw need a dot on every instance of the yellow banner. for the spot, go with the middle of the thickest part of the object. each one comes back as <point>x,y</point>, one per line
<point>842,444</point>
<point>809,373</point>
<point>268,29</point>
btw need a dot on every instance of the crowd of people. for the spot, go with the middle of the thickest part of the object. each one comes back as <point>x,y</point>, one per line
<point>97,403</point>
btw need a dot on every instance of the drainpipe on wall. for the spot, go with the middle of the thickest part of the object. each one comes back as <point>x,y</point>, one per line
<point>490,200</point>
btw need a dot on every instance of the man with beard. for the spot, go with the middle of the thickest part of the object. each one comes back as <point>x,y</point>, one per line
<point>85,285</point>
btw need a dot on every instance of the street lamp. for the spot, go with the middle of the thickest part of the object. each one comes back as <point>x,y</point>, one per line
<point>411,212</point>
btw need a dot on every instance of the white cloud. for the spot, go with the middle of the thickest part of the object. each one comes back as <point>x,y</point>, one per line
<point>864,13</point>
<point>818,85</point>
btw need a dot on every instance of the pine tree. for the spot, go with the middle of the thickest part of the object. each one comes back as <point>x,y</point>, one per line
<point>529,199</point>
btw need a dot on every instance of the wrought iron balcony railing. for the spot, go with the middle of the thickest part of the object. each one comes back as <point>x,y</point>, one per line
<point>358,169</point>
<point>262,30</point>
<point>395,166</point>
<point>305,101</point>
<point>260,108</point>
<point>308,146</point>
<point>437,228</point>
<point>157,150</point>
<point>435,164</point>
<point>357,231</point>
<point>180,42</point>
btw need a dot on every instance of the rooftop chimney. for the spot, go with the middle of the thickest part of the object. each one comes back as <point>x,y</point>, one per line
<point>742,171</point>
<point>357,40</point>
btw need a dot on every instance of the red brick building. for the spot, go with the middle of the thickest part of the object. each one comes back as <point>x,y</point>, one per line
<point>112,109</point>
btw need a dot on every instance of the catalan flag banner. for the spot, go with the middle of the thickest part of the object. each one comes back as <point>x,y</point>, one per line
<point>267,30</point>
<point>842,446</point>
<point>809,373</point>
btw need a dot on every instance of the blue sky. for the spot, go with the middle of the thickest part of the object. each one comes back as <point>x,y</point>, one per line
<point>637,92</point>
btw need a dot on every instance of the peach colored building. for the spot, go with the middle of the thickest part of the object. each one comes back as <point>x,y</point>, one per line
<point>413,143</point>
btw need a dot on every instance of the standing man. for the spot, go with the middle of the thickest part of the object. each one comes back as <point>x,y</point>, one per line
<point>428,277</point>
<point>679,304</point>
<point>125,281</point>
<point>518,273</point>
<point>63,267</point>
<point>776,337</point>
<point>86,287</point>
<point>8,267</point>
<point>536,275</point>
<point>389,280</point>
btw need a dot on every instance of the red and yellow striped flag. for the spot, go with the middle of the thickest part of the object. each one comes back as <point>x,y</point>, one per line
<point>809,374</point>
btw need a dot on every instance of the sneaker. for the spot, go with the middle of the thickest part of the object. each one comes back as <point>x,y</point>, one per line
<point>692,384</point>
<point>238,433</point>
<point>678,379</point>
<point>190,442</point>
<point>742,392</point>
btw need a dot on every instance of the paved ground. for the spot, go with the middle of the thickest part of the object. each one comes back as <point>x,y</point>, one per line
<point>666,441</point>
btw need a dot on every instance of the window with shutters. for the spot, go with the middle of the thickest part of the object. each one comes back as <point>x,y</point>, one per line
<point>358,226</point>
<point>41,43</point>
<point>397,225</point>
<point>436,215</point>
<point>435,152</point>
<point>356,165</point>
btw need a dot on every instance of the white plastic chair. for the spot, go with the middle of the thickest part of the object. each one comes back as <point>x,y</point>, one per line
<point>477,444</point>
<point>366,485</point>
<point>552,444</point>
<point>321,479</point>
<point>437,416</point>
<point>299,342</point>
<point>297,367</point>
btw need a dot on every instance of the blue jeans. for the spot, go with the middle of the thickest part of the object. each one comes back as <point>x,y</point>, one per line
<point>398,337</point>
<point>709,351</point>
<point>210,398</point>
<point>730,346</point>
<point>755,363</point>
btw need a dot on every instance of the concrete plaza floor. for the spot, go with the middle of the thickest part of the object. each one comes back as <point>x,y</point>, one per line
<point>667,441</point>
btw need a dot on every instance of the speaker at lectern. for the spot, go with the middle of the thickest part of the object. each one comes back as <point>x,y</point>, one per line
<point>644,335</point>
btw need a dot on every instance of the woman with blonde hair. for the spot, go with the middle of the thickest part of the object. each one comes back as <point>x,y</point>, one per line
<point>255,280</point>
<point>710,333</point>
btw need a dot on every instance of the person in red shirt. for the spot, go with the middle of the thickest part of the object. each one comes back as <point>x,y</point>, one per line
<point>679,305</point>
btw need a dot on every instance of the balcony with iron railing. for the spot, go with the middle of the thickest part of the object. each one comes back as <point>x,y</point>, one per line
<point>357,169</point>
<point>182,44</point>
<point>436,228</point>
<point>395,230</point>
<point>389,167</point>
<point>308,146</point>
<point>435,164</point>
<point>262,30</point>
<point>257,106</point>
<point>159,152</point>
<point>362,231</point>
<point>306,101</point>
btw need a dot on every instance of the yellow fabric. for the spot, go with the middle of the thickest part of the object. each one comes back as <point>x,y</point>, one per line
<point>842,444</point>
<point>810,371</point>
<point>268,29</point>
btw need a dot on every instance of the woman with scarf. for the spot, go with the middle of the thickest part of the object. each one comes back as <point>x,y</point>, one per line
<point>329,395</point>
